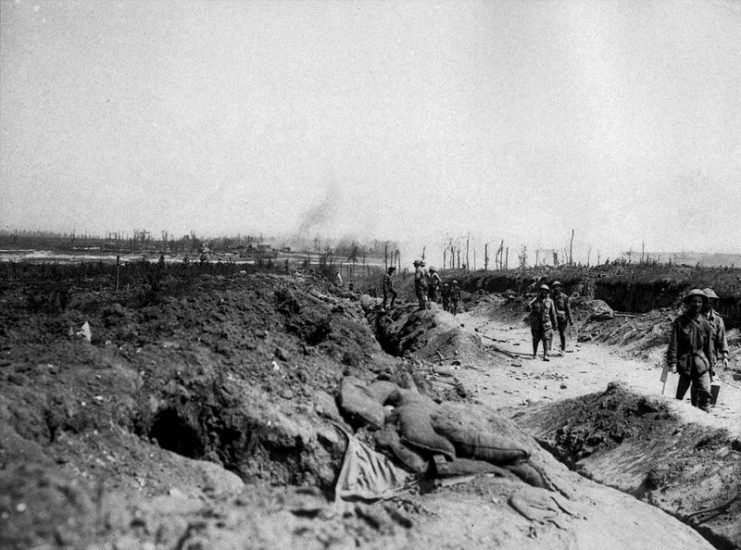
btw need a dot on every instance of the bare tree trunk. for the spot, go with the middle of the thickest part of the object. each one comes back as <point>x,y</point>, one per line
<point>385,255</point>
<point>486,257</point>
<point>571,249</point>
<point>506,259</point>
<point>468,239</point>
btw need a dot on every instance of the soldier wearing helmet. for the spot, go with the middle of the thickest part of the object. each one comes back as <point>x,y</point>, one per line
<point>454,296</point>
<point>691,352</point>
<point>420,283</point>
<point>434,285</point>
<point>563,312</point>
<point>720,343</point>
<point>388,287</point>
<point>542,320</point>
<point>446,296</point>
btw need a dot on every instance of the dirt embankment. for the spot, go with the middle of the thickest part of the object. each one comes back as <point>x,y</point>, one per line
<point>641,446</point>
<point>209,418</point>
<point>631,288</point>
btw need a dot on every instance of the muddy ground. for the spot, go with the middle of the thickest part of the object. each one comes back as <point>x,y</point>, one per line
<point>205,416</point>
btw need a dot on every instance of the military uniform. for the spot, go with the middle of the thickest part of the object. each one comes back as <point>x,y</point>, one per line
<point>446,297</point>
<point>454,297</point>
<point>420,285</point>
<point>563,315</point>
<point>542,320</point>
<point>691,353</point>
<point>388,289</point>
<point>434,286</point>
<point>720,343</point>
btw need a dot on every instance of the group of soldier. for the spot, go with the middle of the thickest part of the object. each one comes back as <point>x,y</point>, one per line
<point>549,312</point>
<point>697,343</point>
<point>428,287</point>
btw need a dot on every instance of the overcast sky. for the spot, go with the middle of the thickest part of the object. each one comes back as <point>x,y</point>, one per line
<point>410,120</point>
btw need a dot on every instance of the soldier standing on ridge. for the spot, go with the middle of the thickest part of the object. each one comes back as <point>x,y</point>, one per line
<point>542,320</point>
<point>420,284</point>
<point>454,296</point>
<point>434,286</point>
<point>563,312</point>
<point>446,297</point>
<point>388,287</point>
<point>690,351</point>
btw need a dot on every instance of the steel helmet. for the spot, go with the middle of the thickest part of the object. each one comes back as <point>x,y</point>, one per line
<point>695,292</point>
<point>557,283</point>
<point>710,293</point>
<point>544,287</point>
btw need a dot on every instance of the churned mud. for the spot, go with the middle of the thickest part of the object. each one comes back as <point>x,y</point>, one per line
<point>206,416</point>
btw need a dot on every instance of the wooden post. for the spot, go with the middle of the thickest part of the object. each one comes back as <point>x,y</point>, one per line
<point>486,256</point>
<point>118,260</point>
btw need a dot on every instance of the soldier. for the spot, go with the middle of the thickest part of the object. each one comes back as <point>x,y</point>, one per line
<point>434,285</point>
<point>420,284</point>
<point>563,312</point>
<point>720,343</point>
<point>691,352</point>
<point>388,287</point>
<point>446,296</point>
<point>542,320</point>
<point>454,296</point>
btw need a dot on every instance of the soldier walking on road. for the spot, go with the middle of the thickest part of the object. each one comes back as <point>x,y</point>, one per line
<point>563,312</point>
<point>434,285</point>
<point>542,320</point>
<point>388,287</point>
<point>420,284</point>
<point>690,351</point>
<point>454,296</point>
<point>720,343</point>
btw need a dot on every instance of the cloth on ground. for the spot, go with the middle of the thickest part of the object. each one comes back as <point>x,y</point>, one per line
<point>366,474</point>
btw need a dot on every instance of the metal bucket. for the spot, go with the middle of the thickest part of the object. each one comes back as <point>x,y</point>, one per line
<point>714,391</point>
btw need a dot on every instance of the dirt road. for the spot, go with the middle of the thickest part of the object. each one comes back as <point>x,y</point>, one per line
<point>584,368</point>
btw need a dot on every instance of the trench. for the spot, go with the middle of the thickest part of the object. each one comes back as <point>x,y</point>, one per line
<point>718,541</point>
<point>618,439</point>
<point>620,295</point>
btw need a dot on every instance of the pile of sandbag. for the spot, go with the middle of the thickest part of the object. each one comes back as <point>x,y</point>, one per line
<point>428,438</point>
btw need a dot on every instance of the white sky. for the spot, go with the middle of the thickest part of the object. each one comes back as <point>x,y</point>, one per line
<point>407,120</point>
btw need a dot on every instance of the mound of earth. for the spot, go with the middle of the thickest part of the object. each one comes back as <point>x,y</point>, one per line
<point>429,335</point>
<point>202,413</point>
<point>643,447</point>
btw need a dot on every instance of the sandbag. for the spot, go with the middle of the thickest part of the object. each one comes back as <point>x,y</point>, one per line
<point>416,430</point>
<point>467,466</point>
<point>384,391</point>
<point>530,474</point>
<point>388,438</point>
<point>413,397</point>
<point>485,446</point>
<point>359,405</point>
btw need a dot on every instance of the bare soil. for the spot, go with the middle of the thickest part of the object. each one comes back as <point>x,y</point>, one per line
<point>206,419</point>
